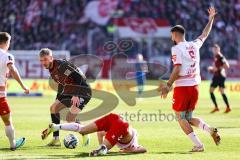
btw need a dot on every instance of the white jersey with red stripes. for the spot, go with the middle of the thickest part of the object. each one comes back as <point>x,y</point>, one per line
<point>187,55</point>
<point>5,59</point>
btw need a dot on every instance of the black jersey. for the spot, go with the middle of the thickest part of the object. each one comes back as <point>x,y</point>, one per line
<point>219,61</point>
<point>69,79</point>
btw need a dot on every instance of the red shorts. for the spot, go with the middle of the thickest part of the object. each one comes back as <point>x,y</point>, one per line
<point>4,107</point>
<point>115,127</point>
<point>185,98</point>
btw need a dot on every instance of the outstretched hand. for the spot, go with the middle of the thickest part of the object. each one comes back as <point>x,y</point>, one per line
<point>26,90</point>
<point>212,12</point>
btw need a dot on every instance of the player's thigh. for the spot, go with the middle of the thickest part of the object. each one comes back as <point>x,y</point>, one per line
<point>56,107</point>
<point>222,84</point>
<point>214,84</point>
<point>4,106</point>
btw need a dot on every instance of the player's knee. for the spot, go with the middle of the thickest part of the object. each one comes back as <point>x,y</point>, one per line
<point>7,122</point>
<point>84,130</point>
<point>211,90</point>
<point>189,116</point>
<point>53,108</point>
<point>191,121</point>
<point>184,116</point>
<point>221,90</point>
<point>70,119</point>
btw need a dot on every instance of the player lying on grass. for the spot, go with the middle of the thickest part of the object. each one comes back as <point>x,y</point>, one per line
<point>117,132</point>
<point>7,66</point>
<point>186,76</point>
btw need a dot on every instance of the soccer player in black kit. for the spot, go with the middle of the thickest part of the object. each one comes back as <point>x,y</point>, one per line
<point>219,77</point>
<point>73,91</point>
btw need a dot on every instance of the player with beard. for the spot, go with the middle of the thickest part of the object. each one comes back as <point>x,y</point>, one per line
<point>186,76</point>
<point>73,91</point>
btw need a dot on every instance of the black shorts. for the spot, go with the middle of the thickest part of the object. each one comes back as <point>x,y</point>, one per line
<point>218,81</point>
<point>66,100</point>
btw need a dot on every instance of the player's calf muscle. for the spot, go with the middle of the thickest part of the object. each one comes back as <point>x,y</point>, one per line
<point>91,128</point>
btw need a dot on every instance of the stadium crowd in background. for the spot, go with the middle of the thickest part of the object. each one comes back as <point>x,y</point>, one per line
<point>37,23</point>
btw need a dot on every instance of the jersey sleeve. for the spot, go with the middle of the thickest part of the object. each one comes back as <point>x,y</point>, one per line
<point>176,56</point>
<point>199,41</point>
<point>70,74</point>
<point>9,59</point>
<point>223,60</point>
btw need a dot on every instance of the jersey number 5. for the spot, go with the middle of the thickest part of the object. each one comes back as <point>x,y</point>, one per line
<point>192,54</point>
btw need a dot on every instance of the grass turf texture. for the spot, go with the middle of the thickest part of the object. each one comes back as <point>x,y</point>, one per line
<point>163,139</point>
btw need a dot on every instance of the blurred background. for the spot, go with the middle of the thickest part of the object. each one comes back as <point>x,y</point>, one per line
<point>85,27</point>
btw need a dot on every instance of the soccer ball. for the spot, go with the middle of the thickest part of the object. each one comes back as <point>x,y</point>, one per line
<point>70,141</point>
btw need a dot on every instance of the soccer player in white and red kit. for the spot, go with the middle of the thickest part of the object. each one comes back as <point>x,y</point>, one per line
<point>186,76</point>
<point>7,67</point>
<point>116,132</point>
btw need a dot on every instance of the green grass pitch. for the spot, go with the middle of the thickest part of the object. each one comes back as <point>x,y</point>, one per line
<point>163,139</point>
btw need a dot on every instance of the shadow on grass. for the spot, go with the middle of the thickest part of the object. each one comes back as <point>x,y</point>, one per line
<point>64,156</point>
<point>86,154</point>
<point>57,156</point>
<point>29,148</point>
<point>228,127</point>
<point>5,149</point>
<point>174,152</point>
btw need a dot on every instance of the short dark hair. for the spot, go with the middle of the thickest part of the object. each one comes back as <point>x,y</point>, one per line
<point>45,52</point>
<point>4,37</point>
<point>178,28</point>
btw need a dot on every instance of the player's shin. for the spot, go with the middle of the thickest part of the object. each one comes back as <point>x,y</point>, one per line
<point>197,122</point>
<point>225,100</point>
<point>56,120</point>
<point>76,127</point>
<point>194,138</point>
<point>214,100</point>
<point>186,127</point>
<point>10,133</point>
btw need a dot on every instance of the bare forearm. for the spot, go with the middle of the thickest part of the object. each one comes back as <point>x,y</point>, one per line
<point>174,75</point>
<point>16,76</point>
<point>208,28</point>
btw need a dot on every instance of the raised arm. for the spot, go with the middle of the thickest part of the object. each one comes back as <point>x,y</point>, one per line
<point>212,12</point>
